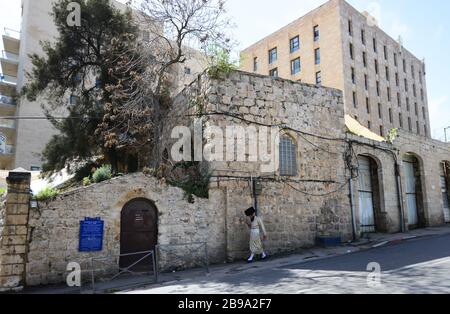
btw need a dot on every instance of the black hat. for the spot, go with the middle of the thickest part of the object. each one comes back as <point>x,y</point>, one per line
<point>250,211</point>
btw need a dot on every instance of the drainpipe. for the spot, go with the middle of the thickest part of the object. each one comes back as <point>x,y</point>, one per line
<point>399,196</point>
<point>352,204</point>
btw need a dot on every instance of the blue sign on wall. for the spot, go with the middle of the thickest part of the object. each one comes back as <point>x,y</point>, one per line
<point>91,235</point>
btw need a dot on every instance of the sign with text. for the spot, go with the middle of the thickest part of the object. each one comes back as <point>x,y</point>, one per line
<point>91,235</point>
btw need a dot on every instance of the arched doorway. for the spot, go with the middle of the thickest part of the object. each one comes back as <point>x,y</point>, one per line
<point>445,184</point>
<point>138,232</point>
<point>414,193</point>
<point>368,195</point>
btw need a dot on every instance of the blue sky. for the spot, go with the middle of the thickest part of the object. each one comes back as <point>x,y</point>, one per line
<point>423,25</point>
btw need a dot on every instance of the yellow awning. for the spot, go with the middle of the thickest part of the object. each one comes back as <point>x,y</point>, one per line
<point>356,128</point>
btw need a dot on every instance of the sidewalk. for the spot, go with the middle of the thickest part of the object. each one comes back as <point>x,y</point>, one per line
<point>373,241</point>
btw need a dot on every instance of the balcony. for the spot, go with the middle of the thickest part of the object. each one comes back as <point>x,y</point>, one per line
<point>8,79</point>
<point>10,57</point>
<point>11,33</point>
<point>6,100</point>
<point>7,123</point>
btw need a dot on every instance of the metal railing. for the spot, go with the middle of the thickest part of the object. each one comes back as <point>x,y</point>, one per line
<point>195,254</point>
<point>8,78</point>
<point>111,276</point>
<point>10,56</point>
<point>11,33</point>
<point>7,100</point>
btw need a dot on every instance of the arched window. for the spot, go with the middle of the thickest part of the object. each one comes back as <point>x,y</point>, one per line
<point>288,156</point>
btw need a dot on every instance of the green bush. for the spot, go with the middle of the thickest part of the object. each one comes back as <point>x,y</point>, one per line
<point>86,181</point>
<point>221,65</point>
<point>47,194</point>
<point>102,174</point>
<point>2,191</point>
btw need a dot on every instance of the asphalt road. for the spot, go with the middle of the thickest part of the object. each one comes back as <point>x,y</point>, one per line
<point>415,266</point>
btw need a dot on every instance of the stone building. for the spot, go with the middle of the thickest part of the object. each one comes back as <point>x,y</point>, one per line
<point>384,84</point>
<point>319,181</point>
<point>25,139</point>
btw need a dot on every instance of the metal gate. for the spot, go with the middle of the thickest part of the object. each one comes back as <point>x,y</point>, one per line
<point>365,191</point>
<point>411,189</point>
<point>445,195</point>
<point>138,234</point>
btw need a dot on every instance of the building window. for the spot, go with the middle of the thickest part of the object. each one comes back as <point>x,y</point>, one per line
<point>35,168</point>
<point>288,157</point>
<point>376,66</point>
<point>378,88</point>
<point>425,130</point>
<point>399,100</point>
<point>400,119</point>
<point>397,81</point>
<point>385,53</point>
<point>273,55</point>
<point>351,51</point>
<point>187,70</point>
<point>390,116</point>
<point>380,111</point>
<point>355,100</point>
<point>317,55</point>
<point>295,66</point>
<point>374,45</point>
<point>381,131</point>
<point>413,72</point>
<point>365,59</point>
<point>409,124</point>
<point>295,44</point>
<point>73,99</point>
<point>422,96</point>
<point>368,105</point>
<point>255,64</point>
<point>414,90</point>
<point>416,109</point>
<point>395,59</point>
<point>389,93</point>
<point>406,85</point>
<point>350,27</point>
<point>319,78</point>
<point>273,72</point>
<point>387,74</point>
<point>417,127</point>
<point>353,76</point>
<point>366,82</point>
<point>404,65</point>
<point>420,77</point>
<point>363,37</point>
<point>424,115</point>
<point>316,33</point>
<point>407,104</point>
<point>369,125</point>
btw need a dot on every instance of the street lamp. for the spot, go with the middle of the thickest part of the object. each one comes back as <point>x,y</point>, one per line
<point>445,133</point>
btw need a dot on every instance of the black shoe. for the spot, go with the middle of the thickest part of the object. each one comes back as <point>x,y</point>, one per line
<point>249,261</point>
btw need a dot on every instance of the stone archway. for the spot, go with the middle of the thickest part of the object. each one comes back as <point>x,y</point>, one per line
<point>138,232</point>
<point>369,195</point>
<point>415,209</point>
<point>445,188</point>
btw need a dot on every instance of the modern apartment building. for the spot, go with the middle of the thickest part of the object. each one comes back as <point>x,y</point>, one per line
<point>23,140</point>
<point>336,46</point>
<point>9,61</point>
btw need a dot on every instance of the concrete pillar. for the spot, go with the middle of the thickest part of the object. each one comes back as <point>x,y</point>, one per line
<point>14,232</point>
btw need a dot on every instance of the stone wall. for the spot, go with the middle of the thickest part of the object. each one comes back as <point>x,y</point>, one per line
<point>54,227</point>
<point>295,209</point>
